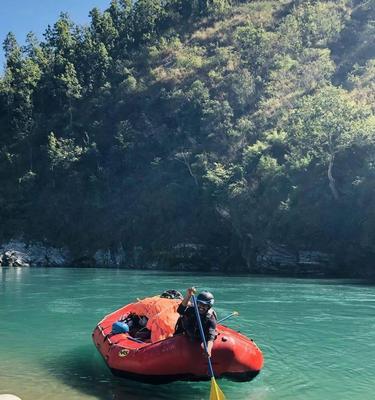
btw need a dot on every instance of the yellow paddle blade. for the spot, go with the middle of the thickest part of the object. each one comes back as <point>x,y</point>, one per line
<point>216,393</point>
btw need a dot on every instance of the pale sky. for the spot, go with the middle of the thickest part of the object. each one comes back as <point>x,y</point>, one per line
<point>23,16</point>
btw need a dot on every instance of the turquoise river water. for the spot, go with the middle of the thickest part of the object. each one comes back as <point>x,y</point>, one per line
<point>317,336</point>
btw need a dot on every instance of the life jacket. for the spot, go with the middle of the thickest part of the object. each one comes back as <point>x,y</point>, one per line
<point>188,323</point>
<point>161,313</point>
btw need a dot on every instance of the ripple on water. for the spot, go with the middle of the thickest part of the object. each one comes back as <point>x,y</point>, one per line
<point>66,306</point>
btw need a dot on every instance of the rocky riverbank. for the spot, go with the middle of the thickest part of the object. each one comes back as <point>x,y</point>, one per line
<point>17,253</point>
<point>274,260</point>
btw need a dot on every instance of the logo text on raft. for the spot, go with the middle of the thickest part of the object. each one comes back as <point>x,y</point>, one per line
<point>123,352</point>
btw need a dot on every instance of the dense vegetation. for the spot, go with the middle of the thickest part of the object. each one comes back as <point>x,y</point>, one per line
<point>224,124</point>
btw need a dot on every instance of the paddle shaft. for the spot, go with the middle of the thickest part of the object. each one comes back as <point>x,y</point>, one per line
<point>228,316</point>
<point>199,321</point>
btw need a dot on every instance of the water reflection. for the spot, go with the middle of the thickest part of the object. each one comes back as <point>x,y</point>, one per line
<point>84,371</point>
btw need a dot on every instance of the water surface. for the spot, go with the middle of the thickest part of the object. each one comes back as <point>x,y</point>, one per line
<point>317,336</point>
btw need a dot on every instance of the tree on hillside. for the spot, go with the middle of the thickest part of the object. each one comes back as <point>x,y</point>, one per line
<point>326,125</point>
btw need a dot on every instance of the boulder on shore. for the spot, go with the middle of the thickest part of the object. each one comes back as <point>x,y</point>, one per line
<point>17,253</point>
<point>13,258</point>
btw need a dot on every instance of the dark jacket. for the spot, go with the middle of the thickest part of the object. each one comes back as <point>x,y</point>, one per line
<point>188,323</point>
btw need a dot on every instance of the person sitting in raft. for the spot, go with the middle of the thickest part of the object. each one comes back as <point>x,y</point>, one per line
<point>187,322</point>
<point>172,294</point>
<point>132,324</point>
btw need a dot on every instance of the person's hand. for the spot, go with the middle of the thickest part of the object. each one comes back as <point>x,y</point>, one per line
<point>208,353</point>
<point>190,291</point>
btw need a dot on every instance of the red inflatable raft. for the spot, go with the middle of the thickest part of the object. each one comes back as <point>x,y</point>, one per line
<point>234,356</point>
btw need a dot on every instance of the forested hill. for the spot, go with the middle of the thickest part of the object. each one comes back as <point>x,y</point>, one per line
<point>223,126</point>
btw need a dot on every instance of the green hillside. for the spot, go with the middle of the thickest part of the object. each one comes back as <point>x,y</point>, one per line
<point>226,125</point>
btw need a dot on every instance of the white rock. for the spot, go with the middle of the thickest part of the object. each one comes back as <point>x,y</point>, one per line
<point>9,397</point>
<point>36,253</point>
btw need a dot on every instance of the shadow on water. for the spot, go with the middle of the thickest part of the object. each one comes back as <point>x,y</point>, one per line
<point>85,371</point>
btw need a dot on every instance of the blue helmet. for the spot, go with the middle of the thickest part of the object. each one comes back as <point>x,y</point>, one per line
<point>120,327</point>
<point>206,297</point>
